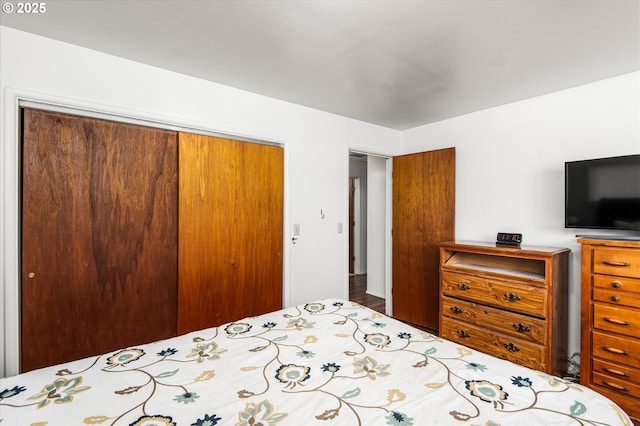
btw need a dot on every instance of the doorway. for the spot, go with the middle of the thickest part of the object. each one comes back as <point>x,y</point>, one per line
<point>420,201</point>
<point>369,229</point>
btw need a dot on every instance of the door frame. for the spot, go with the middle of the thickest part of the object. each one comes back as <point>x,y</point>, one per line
<point>10,177</point>
<point>388,157</point>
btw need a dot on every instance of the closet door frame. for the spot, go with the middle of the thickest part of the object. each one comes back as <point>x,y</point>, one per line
<point>10,173</point>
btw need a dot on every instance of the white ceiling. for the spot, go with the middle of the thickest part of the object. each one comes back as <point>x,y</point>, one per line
<point>399,64</point>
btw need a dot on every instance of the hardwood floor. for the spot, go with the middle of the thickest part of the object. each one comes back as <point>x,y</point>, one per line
<point>358,293</point>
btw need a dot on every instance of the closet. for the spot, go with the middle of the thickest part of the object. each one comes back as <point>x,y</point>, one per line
<point>131,234</point>
<point>230,230</point>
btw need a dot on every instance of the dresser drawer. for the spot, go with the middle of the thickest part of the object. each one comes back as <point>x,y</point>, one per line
<point>617,385</point>
<point>496,344</point>
<point>617,290</point>
<point>619,371</point>
<point>512,296</point>
<point>622,350</point>
<point>616,261</point>
<point>617,297</point>
<point>511,323</point>
<point>619,320</point>
<point>616,283</point>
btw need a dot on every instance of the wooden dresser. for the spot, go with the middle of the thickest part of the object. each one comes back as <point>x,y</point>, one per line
<point>610,341</point>
<point>510,302</point>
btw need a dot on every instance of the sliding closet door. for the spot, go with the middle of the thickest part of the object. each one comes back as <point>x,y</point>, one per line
<point>423,216</point>
<point>231,236</point>
<point>99,236</point>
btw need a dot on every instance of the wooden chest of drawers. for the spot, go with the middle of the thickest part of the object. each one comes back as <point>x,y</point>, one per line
<point>510,302</point>
<point>610,339</point>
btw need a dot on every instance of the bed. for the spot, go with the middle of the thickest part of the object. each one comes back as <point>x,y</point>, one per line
<point>322,363</point>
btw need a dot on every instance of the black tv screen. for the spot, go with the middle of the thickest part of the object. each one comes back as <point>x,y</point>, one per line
<point>603,193</point>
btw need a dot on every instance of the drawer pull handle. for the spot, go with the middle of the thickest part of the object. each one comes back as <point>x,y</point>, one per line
<point>615,351</point>
<point>616,284</point>
<point>456,310</point>
<point>616,263</point>
<point>462,334</point>
<point>521,327</point>
<point>511,347</point>
<point>615,321</point>
<point>615,298</point>
<point>615,386</point>
<point>616,372</point>
<point>464,286</point>
<point>512,297</point>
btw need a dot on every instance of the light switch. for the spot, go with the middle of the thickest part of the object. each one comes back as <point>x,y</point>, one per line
<point>339,227</point>
<point>296,229</point>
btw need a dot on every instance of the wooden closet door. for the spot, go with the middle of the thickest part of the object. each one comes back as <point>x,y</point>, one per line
<point>423,216</point>
<point>231,236</point>
<point>99,236</point>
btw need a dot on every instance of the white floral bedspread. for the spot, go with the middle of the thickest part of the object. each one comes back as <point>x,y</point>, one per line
<point>324,363</point>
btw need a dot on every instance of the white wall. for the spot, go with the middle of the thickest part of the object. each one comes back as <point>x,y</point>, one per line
<point>358,170</point>
<point>510,163</point>
<point>316,152</point>
<point>377,225</point>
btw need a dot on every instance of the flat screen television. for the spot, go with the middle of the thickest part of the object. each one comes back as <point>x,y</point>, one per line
<point>603,193</point>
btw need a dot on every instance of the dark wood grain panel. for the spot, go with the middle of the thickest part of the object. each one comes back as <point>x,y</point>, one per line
<point>231,236</point>
<point>423,216</point>
<point>99,236</point>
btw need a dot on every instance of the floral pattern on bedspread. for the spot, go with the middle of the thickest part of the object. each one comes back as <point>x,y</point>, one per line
<point>327,362</point>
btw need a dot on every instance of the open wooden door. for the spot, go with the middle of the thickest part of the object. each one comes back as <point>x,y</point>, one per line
<point>99,237</point>
<point>230,230</point>
<point>423,216</point>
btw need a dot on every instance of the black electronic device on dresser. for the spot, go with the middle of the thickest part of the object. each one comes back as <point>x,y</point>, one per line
<point>603,193</point>
<point>508,239</point>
